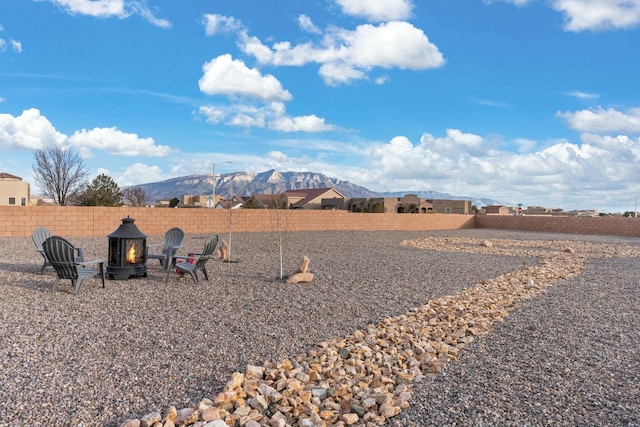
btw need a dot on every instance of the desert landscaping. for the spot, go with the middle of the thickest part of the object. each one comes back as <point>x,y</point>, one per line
<point>395,328</point>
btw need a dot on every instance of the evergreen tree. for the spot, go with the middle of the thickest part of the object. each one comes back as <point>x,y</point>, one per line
<point>103,191</point>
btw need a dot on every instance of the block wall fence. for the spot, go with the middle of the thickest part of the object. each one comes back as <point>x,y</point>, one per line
<point>77,221</point>
<point>71,221</point>
<point>610,226</point>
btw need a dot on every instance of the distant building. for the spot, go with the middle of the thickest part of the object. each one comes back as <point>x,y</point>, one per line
<point>13,191</point>
<point>333,203</point>
<point>310,198</point>
<point>266,201</point>
<point>236,202</point>
<point>409,203</point>
<point>449,206</point>
<point>538,210</point>
<point>197,201</point>
<point>496,210</point>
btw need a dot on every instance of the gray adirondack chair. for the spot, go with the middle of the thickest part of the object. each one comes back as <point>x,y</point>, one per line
<point>41,234</point>
<point>195,261</point>
<point>60,254</point>
<point>172,242</point>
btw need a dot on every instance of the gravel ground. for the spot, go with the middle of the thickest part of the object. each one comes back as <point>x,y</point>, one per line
<point>567,357</point>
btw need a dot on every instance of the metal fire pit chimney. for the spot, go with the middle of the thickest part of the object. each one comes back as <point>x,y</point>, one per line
<point>127,252</point>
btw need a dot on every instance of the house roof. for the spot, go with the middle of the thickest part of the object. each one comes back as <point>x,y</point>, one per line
<point>266,199</point>
<point>5,175</point>
<point>309,195</point>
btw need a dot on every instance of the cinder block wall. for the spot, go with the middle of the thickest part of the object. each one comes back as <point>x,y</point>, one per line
<point>20,221</point>
<point>99,221</point>
<point>612,226</point>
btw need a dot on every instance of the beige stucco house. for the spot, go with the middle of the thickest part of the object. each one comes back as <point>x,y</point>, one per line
<point>311,198</point>
<point>496,210</point>
<point>450,206</point>
<point>13,191</point>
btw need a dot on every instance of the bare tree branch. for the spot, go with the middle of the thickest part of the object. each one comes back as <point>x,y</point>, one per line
<point>60,173</point>
<point>136,196</point>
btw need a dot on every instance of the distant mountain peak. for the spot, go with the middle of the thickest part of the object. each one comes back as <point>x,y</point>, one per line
<point>275,182</point>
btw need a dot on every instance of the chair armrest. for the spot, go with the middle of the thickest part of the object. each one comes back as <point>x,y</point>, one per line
<point>92,262</point>
<point>80,257</point>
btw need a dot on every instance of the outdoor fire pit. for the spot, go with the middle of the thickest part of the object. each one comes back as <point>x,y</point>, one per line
<point>127,252</point>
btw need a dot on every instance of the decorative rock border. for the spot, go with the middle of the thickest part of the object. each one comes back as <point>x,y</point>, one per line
<point>364,378</point>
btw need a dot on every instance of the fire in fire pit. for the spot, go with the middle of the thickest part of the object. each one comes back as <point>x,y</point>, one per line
<point>127,252</point>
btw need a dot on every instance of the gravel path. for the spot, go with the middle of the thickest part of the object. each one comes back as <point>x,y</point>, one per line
<point>564,358</point>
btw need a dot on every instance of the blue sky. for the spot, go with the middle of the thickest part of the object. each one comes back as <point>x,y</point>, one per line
<point>523,101</point>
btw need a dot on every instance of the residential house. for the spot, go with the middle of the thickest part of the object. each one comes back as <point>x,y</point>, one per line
<point>450,206</point>
<point>334,203</point>
<point>496,210</point>
<point>538,210</point>
<point>409,203</point>
<point>13,191</point>
<point>312,198</point>
<point>266,201</point>
<point>196,201</point>
<point>236,202</point>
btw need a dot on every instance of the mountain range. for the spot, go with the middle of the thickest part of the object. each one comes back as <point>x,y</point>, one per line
<point>274,182</point>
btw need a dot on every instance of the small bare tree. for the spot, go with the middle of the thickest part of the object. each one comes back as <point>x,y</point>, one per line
<point>60,173</point>
<point>136,196</point>
<point>280,223</point>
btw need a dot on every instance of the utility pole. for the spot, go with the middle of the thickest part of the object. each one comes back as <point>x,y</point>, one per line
<point>213,192</point>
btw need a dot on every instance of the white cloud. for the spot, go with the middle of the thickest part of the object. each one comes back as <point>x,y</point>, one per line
<point>516,2</point>
<point>141,9</point>
<point>110,8</point>
<point>309,123</point>
<point>305,23</point>
<point>348,55</point>
<point>137,173</point>
<point>216,24</point>
<point>98,8</point>
<point>490,103</point>
<point>582,95</point>
<point>377,10</point>
<point>226,76</point>
<point>603,120</point>
<point>29,131</point>
<point>272,115</point>
<point>242,85</point>
<point>16,45</point>
<point>583,15</point>
<point>467,164</point>
<point>114,141</point>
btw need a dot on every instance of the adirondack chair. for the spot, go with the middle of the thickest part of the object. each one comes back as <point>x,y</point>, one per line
<point>194,261</point>
<point>41,234</point>
<point>172,241</point>
<point>61,256</point>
